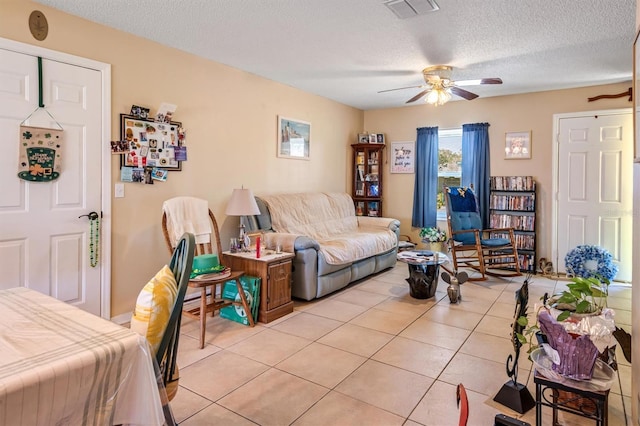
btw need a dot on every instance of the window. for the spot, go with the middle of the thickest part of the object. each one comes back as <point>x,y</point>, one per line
<point>449,164</point>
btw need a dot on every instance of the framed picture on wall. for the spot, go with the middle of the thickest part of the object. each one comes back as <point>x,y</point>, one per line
<point>517,145</point>
<point>150,143</point>
<point>402,157</point>
<point>294,138</point>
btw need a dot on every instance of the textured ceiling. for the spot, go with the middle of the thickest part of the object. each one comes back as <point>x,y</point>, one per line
<point>348,50</point>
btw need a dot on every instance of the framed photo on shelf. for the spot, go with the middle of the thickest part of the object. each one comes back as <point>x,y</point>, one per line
<point>373,190</point>
<point>294,138</point>
<point>402,157</point>
<point>363,138</point>
<point>151,144</point>
<point>517,145</point>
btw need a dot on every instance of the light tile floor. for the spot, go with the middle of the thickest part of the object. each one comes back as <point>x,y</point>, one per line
<point>370,354</point>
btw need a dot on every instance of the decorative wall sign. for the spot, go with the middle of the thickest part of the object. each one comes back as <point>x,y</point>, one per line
<point>293,138</point>
<point>517,145</point>
<point>151,144</point>
<point>40,154</point>
<point>402,157</point>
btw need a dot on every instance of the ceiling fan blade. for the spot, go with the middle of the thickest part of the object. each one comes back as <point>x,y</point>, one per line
<point>463,93</point>
<point>418,96</point>
<point>480,81</point>
<point>402,88</point>
<point>491,81</point>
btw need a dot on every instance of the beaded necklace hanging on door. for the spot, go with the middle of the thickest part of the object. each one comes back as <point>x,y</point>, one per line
<point>94,240</point>
<point>94,237</point>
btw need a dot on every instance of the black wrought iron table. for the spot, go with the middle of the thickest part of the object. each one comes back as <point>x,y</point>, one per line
<point>424,266</point>
<point>580,399</point>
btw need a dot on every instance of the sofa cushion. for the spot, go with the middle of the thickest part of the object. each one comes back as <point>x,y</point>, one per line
<point>317,215</point>
<point>354,246</point>
<point>330,219</point>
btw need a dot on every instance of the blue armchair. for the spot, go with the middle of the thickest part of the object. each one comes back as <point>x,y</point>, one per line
<point>488,251</point>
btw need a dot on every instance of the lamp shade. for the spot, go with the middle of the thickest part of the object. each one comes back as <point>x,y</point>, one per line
<point>242,203</point>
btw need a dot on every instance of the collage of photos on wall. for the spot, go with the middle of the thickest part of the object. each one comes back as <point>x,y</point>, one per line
<point>149,148</point>
<point>371,138</point>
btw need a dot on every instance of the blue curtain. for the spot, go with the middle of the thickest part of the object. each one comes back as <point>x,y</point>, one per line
<point>426,184</point>
<point>475,164</point>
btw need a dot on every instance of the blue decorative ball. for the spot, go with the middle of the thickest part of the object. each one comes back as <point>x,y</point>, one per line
<point>590,261</point>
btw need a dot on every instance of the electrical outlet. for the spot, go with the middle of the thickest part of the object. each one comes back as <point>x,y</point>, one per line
<point>119,190</point>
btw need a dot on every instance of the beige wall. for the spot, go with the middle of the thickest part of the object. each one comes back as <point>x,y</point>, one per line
<point>532,111</point>
<point>230,117</point>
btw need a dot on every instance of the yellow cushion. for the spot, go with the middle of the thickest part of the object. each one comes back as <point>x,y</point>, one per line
<point>153,307</point>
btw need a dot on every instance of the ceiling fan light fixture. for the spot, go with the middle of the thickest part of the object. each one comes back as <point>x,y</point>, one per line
<point>438,96</point>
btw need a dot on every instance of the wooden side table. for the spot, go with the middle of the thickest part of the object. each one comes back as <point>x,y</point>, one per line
<point>274,271</point>
<point>200,312</point>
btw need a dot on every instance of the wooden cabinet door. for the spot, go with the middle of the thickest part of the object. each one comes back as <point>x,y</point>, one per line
<point>279,285</point>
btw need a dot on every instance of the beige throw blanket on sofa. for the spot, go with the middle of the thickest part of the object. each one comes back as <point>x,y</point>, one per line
<point>329,218</point>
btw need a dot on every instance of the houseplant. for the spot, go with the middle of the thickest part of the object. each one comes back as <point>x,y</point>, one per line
<point>576,321</point>
<point>583,297</point>
<point>434,238</point>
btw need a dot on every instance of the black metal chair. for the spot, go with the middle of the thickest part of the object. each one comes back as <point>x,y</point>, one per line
<point>167,354</point>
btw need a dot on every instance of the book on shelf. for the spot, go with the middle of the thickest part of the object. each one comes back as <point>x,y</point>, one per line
<point>523,241</point>
<point>517,222</point>
<point>513,183</point>
<point>513,202</point>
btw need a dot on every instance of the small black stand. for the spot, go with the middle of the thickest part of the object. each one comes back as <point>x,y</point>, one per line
<point>423,280</point>
<point>513,394</point>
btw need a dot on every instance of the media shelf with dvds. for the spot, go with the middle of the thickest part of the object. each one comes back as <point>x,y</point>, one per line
<point>512,204</point>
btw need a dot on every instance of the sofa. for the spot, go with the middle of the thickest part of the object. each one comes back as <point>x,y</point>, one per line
<point>333,247</point>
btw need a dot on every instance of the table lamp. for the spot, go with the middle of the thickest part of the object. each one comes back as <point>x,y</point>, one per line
<point>241,204</point>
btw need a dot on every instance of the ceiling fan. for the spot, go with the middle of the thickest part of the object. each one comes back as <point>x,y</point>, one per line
<point>439,86</point>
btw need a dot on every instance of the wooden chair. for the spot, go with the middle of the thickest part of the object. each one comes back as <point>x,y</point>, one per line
<point>485,250</point>
<point>215,301</point>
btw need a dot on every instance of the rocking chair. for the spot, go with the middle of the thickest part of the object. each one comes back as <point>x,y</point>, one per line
<point>489,251</point>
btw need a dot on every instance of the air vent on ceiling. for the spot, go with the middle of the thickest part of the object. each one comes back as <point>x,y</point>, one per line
<point>409,8</point>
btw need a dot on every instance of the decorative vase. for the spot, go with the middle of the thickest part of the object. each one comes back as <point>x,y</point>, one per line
<point>437,246</point>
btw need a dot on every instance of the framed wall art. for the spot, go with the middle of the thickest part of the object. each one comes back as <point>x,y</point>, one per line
<point>517,145</point>
<point>294,138</point>
<point>151,144</point>
<point>402,157</point>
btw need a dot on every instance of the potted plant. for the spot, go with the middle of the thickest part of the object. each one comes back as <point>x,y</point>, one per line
<point>584,296</point>
<point>434,238</point>
<point>564,314</point>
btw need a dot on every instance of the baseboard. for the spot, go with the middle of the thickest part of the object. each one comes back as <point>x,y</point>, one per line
<point>122,319</point>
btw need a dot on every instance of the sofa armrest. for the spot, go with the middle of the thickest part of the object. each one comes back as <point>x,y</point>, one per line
<point>379,222</point>
<point>289,242</point>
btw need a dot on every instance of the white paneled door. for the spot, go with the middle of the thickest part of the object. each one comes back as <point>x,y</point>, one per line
<point>595,186</point>
<point>44,245</point>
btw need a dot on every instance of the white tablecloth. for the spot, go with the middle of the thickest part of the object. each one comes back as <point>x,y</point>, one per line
<point>61,365</point>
